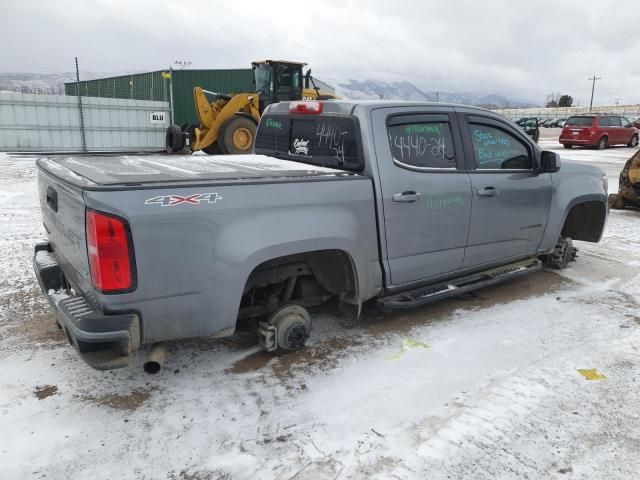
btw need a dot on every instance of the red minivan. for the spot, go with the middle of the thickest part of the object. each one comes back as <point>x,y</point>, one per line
<point>598,130</point>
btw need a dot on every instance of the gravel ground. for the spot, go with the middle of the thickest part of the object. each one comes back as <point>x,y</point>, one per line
<point>481,387</point>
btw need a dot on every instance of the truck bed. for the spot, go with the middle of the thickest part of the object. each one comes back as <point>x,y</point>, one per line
<point>97,172</point>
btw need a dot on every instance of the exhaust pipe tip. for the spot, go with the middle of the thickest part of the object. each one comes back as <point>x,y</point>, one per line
<point>155,359</point>
<point>151,367</point>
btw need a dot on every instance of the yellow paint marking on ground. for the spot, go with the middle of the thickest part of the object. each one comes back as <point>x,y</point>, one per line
<point>407,343</point>
<point>591,374</point>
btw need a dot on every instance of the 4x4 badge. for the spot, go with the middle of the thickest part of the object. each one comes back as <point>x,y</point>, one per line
<point>172,200</point>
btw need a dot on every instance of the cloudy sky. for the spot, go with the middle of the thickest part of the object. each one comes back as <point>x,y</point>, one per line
<point>520,49</point>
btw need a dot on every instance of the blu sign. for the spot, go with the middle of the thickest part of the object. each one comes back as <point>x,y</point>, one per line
<point>158,117</point>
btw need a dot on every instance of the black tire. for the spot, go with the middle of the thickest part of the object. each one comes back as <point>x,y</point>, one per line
<point>567,146</point>
<point>237,135</point>
<point>633,142</point>
<point>174,139</point>
<point>212,149</point>
<point>603,143</point>
<point>617,201</point>
<point>563,253</point>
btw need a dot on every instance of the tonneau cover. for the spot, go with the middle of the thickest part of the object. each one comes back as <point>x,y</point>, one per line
<point>140,169</point>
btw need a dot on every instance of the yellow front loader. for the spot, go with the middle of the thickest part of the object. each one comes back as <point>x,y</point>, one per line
<point>228,123</point>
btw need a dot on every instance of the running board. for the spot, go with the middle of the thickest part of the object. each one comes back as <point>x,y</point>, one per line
<point>452,288</point>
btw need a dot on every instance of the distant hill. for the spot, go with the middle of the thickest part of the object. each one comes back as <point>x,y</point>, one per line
<point>45,83</point>
<point>376,89</point>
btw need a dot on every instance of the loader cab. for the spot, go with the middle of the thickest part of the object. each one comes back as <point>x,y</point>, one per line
<point>277,81</point>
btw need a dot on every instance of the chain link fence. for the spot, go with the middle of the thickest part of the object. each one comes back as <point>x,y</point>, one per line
<point>151,86</point>
<point>628,111</point>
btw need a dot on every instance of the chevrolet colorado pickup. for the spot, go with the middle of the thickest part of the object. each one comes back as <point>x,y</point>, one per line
<point>403,202</point>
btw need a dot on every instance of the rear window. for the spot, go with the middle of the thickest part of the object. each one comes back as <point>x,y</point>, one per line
<point>579,121</point>
<point>329,141</point>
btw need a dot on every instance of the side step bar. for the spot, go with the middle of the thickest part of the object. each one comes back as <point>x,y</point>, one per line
<point>457,286</point>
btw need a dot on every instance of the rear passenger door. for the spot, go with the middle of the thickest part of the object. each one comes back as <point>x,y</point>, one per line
<point>511,198</point>
<point>426,194</point>
<point>606,126</point>
<point>618,131</point>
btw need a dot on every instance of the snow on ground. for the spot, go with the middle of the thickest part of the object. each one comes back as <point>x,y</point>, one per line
<point>481,387</point>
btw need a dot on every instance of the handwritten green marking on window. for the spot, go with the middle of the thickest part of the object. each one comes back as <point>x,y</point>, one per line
<point>422,128</point>
<point>271,123</point>
<point>440,201</point>
<point>488,156</point>
<point>407,343</point>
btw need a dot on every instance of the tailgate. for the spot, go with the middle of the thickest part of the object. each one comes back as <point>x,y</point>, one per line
<point>63,215</point>
<point>578,132</point>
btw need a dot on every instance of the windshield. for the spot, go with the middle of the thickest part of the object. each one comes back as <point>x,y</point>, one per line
<point>579,121</point>
<point>263,78</point>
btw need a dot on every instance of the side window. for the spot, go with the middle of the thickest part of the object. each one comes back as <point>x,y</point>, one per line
<point>604,122</point>
<point>422,145</point>
<point>496,149</point>
<point>615,121</point>
<point>624,121</point>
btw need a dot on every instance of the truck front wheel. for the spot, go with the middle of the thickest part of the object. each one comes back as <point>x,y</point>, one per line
<point>563,253</point>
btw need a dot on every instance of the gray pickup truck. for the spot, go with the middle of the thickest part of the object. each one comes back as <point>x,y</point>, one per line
<point>406,203</point>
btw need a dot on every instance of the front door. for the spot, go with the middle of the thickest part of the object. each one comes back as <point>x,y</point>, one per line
<point>426,194</point>
<point>511,199</point>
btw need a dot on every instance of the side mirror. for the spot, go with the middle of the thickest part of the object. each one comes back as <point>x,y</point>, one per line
<point>628,125</point>
<point>550,162</point>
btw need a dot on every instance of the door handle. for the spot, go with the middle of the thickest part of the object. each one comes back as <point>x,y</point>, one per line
<point>488,192</point>
<point>407,197</point>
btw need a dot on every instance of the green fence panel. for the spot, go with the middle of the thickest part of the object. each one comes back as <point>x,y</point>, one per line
<point>222,81</point>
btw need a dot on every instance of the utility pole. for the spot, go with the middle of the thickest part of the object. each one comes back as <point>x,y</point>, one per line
<point>82,134</point>
<point>437,97</point>
<point>593,86</point>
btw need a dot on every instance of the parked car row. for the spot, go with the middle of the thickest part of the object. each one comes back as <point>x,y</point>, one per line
<point>553,122</point>
<point>598,130</point>
<point>543,122</point>
<point>561,121</point>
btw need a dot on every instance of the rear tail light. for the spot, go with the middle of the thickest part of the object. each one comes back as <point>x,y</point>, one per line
<point>110,252</point>
<point>305,107</point>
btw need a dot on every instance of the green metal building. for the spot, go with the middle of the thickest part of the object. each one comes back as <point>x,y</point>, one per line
<point>158,85</point>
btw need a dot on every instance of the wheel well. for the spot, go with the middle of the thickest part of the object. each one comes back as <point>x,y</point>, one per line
<point>585,221</point>
<point>304,278</point>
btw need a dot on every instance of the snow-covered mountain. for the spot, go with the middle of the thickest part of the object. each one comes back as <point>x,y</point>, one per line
<point>377,89</point>
<point>45,83</point>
